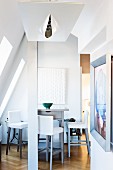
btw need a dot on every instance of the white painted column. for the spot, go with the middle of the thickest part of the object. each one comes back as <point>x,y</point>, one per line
<point>32,107</point>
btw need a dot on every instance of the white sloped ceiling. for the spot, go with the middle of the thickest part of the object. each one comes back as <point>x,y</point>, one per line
<point>12,29</point>
<point>34,14</point>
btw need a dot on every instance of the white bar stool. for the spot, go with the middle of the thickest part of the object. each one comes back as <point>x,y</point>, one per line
<point>79,125</point>
<point>15,122</point>
<point>45,127</point>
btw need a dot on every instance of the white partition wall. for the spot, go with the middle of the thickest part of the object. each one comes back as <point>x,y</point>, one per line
<point>64,55</point>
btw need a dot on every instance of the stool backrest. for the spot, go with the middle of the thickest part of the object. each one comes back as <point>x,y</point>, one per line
<point>14,116</point>
<point>45,125</point>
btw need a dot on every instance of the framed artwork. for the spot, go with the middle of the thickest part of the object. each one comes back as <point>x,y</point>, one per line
<point>101,101</point>
<point>51,85</point>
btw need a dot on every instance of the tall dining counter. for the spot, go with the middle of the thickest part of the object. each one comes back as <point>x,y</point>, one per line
<point>58,114</point>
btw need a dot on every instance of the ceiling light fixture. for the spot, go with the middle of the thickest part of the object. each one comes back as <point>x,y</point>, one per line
<point>49,26</point>
<point>48,32</point>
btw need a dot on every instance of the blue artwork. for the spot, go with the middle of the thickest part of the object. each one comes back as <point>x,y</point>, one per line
<point>100,100</point>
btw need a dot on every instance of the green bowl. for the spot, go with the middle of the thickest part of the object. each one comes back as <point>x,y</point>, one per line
<point>47,105</point>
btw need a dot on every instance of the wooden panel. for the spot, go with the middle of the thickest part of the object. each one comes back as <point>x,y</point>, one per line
<point>85,63</point>
<point>79,159</point>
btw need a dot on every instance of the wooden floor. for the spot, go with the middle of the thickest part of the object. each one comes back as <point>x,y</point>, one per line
<point>79,160</point>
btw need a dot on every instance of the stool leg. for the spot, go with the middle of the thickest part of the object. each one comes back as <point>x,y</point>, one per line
<point>87,140</point>
<point>51,153</point>
<point>47,147</point>
<point>38,138</point>
<point>14,132</point>
<point>20,142</point>
<point>8,138</point>
<point>62,147</point>
<point>68,142</point>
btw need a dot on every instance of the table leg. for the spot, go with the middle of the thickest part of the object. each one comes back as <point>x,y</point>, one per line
<point>61,136</point>
<point>20,142</point>
<point>8,138</point>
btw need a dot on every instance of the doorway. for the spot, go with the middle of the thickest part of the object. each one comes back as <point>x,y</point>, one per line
<point>85,87</point>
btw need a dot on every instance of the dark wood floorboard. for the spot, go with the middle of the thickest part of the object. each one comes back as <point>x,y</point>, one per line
<point>79,160</point>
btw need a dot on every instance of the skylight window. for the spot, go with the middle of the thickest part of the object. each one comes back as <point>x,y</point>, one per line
<point>12,86</point>
<point>5,50</point>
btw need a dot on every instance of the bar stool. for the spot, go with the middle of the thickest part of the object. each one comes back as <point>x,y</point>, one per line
<point>79,125</point>
<point>15,122</point>
<point>45,127</point>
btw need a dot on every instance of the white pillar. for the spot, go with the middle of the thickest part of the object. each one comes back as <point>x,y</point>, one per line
<point>32,107</point>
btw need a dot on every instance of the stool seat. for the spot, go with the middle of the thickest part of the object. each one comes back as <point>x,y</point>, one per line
<point>57,130</point>
<point>76,125</point>
<point>19,125</point>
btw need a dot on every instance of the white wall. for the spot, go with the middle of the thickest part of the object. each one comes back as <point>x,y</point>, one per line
<point>10,22</point>
<point>101,160</point>
<point>94,25</point>
<point>85,88</point>
<point>10,27</point>
<point>64,55</point>
<point>19,97</point>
